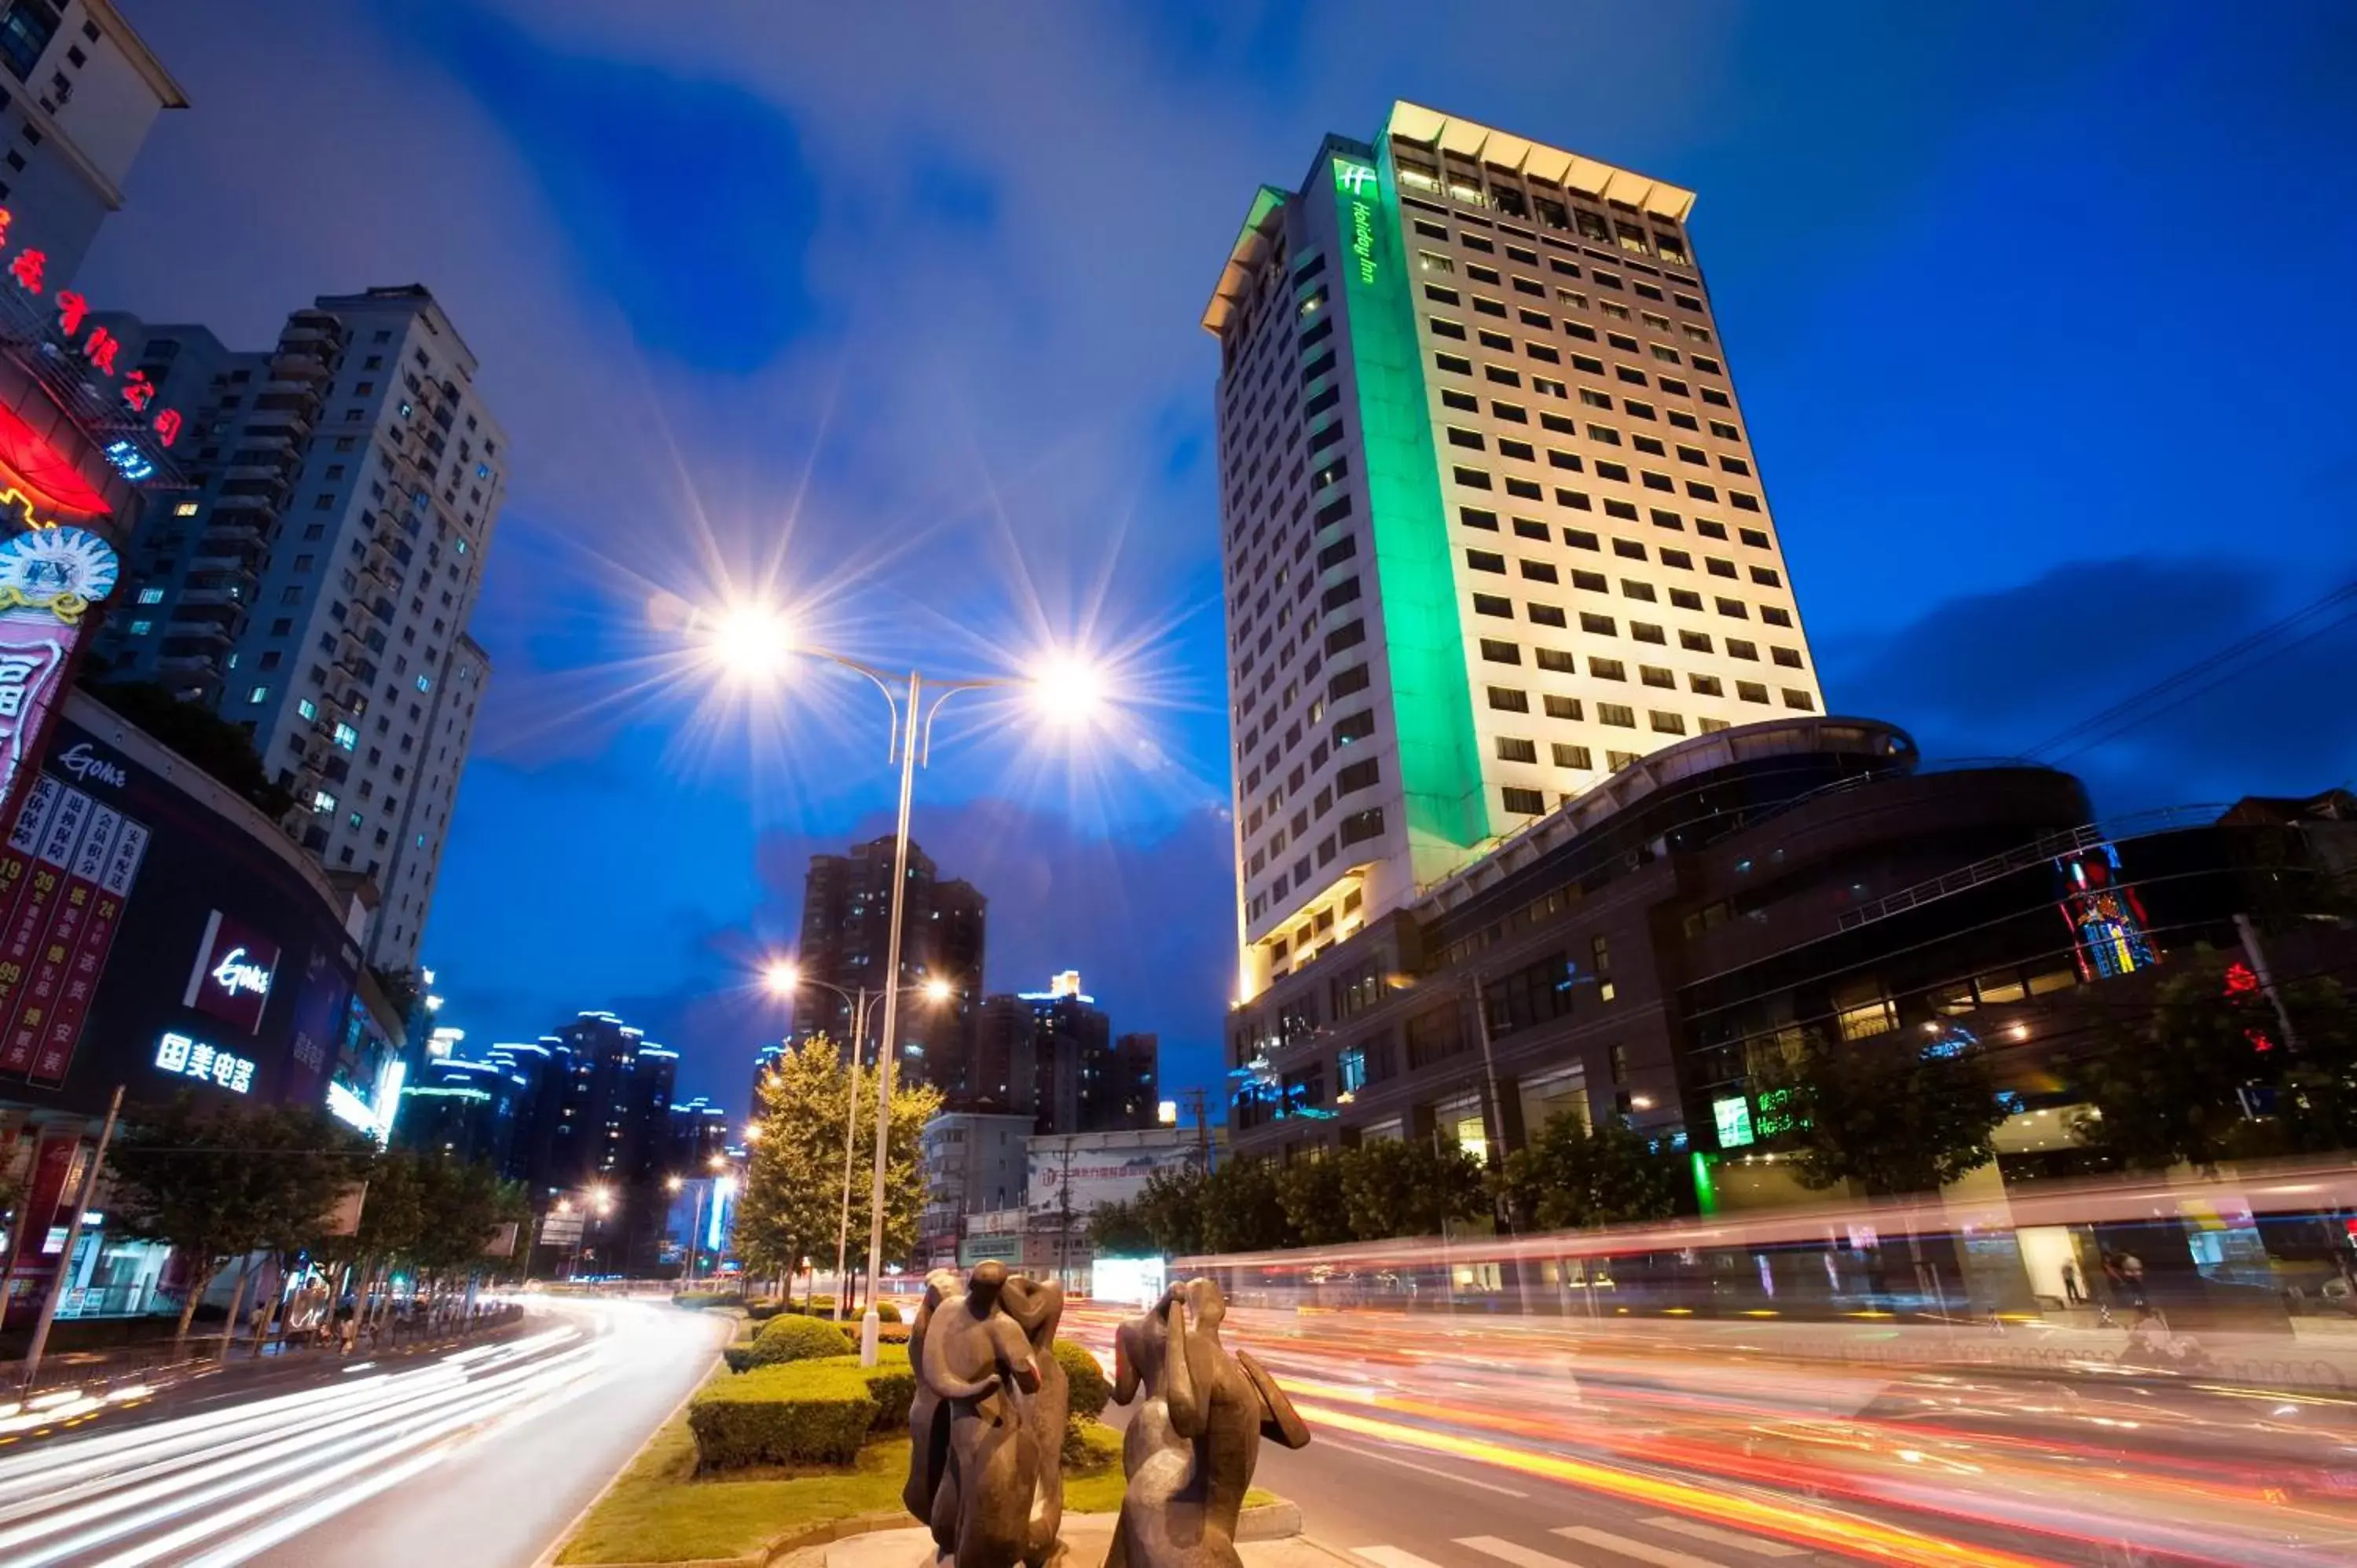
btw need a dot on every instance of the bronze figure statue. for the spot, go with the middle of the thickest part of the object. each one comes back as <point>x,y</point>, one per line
<point>985,1466</point>
<point>1193,1445</point>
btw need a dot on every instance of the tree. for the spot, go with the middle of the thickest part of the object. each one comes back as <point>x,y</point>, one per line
<point>1572,1176</point>
<point>1171,1209</point>
<point>2169,1087</point>
<point>1119,1231</point>
<point>1894,1114</point>
<point>1400,1188</point>
<point>1241,1209</point>
<point>212,742</point>
<point>1310,1192</point>
<point>219,1182</point>
<point>792,1203</point>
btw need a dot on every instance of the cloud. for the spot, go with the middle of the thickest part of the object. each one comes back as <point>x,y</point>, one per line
<point>2000,674</point>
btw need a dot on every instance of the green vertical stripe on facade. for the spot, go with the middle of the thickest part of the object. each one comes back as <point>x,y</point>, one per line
<point>1432,701</point>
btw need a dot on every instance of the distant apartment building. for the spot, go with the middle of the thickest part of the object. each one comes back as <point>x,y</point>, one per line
<point>845,941</point>
<point>1494,527</point>
<point>1050,1055</point>
<point>86,92</point>
<point>316,584</point>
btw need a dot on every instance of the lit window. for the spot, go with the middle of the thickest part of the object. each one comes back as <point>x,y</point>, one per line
<point>259,694</point>
<point>425,683</point>
<point>185,509</point>
<point>151,596</point>
<point>142,628</point>
<point>346,735</point>
<point>322,802</point>
<point>308,709</point>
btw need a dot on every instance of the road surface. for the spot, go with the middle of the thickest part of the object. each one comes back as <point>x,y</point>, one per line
<point>473,1459</point>
<point>1472,1443</point>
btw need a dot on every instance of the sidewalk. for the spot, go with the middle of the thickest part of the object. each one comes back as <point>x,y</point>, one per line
<point>1087,1538</point>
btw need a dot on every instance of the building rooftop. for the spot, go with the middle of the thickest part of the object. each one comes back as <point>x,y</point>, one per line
<point>1467,138</point>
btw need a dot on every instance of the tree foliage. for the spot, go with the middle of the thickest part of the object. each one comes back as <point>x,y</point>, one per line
<point>792,1203</point>
<point>212,742</point>
<point>1893,1114</point>
<point>220,1181</point>
<point>1410,1187</point>
<point>1119,1231</point>
<point>2170,1088</point>
<point>1241,1210</point>
<point>1171,1209</point>
<point>1316,1211</point>
<point>1572,1176</point>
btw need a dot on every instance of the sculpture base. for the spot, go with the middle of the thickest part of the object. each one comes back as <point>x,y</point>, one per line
<point>1268,1536</point>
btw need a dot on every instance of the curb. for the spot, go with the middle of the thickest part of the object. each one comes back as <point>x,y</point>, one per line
<point>1279,1521</point>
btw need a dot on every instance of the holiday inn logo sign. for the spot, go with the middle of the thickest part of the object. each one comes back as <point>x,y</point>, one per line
<point>1356,185</point>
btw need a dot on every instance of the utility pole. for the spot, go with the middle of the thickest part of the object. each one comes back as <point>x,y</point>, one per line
<point>1064,1221</point>
<point>1195,1101</point>
<point>73,1234</point>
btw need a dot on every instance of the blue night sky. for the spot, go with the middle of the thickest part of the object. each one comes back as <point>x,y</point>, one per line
<point>2040,316</point>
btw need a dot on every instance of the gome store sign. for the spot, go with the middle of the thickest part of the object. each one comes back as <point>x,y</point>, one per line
<point>231,978</point>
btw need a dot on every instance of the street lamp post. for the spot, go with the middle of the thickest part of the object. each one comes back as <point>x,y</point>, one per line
<point>754,641</point>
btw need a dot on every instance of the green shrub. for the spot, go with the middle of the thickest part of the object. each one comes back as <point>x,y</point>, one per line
<point>1091,1447</point>
<point>739,1356</point>
<point>1090,1389</point>
<point>791,1339</point>
<point>762,1311</point>
<point>892,1333</point>
<point>887,1312</point>
<point>891,1383</point>
<point>798,1414</point>
<point>696,1300</point>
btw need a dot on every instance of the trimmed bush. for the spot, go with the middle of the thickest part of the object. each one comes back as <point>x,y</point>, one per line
<point>739,1356</point>
<point>696,1300</point>
<point>892,1333</point>
<point>888,1312</point>
<point>762,1311</point>
<point>790,1339</point>
<point>893,1384</point>
<point>1091,1447</point>
<point>796,1415</point>
<point>1090,1389</point>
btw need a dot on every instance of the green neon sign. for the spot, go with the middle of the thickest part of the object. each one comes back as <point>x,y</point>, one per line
<point>1733,1115</point>
<point>1432,701</point>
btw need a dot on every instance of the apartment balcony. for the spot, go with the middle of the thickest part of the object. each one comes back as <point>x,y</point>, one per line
<point>239,565</point>
<point>187,664</point>
<point>239,532</point>
<point>198,631</point>
<point>298,364</point>
<point>247,501</point>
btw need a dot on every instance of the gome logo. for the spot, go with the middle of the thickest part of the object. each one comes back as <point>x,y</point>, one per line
<point>90,768</point>
<point>235,975</point>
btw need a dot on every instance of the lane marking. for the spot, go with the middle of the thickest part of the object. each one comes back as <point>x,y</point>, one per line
<point>1643,1551</point>
<point>1508,1551</point>
<point>1725,1537</point>
<point>1407,1464</point>
<point>1392,1557</point>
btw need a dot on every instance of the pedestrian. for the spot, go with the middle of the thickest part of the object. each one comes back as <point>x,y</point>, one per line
<point>2072,1295</point>
<point>2131,1277</point>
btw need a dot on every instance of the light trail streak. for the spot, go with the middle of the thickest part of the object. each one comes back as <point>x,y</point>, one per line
<point>1785,1519</point>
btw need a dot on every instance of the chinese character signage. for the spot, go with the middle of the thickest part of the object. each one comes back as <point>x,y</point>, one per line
<point>185,1056</point>
<point>232,975</point>
<point>95,346</point>
<point>64,875</point>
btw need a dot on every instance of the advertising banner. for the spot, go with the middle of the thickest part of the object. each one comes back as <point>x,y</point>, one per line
<point>53,1170</point>
<point>88,963</point>
<point>45,981</point>
<point>21,948</point>
<point>1098,1177</point>
<point>48,578</point>
<point>235,968</point>
<point>23,839</point>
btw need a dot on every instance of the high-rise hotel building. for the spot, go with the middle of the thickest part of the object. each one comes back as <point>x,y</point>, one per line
<point>1494,527</point>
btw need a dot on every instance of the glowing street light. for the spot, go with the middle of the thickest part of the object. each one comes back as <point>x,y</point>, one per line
<point>751,642</point>
<point>783,977</point>
<point>673,1184</point>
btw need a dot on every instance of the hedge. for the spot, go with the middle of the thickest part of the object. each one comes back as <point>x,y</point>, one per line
<point>1086,1379</point>
<point>796,1415</point>
<point>787,1338</point>
<point>1091,1447</point>
<point>893,1384</point>
<point>699,1299</point>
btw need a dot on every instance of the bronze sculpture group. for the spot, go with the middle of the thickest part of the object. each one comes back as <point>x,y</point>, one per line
<point>986,1426</point>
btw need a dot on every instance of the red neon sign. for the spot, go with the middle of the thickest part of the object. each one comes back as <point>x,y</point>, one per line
<point>29,268</point>
<point>40,475</point>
